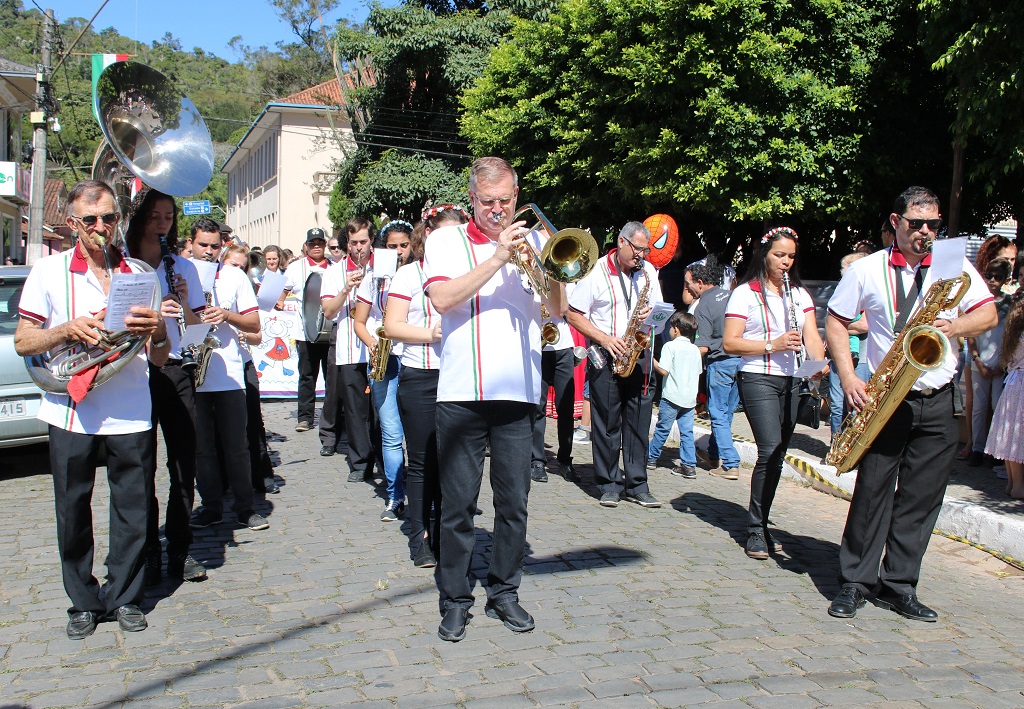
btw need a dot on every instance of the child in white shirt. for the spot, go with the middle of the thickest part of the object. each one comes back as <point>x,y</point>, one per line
<point>681,366</point>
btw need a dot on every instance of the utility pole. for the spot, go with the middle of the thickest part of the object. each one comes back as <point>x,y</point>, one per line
<point>37,200</point>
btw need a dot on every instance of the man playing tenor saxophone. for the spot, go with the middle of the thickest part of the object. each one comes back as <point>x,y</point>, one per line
<point>914,448</point>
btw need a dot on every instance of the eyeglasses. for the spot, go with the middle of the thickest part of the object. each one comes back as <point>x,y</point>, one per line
<point>642,252</point>
<point>916,224</point>
<point>334,247</point>
<point>503,201</point>
<point>91,219</point>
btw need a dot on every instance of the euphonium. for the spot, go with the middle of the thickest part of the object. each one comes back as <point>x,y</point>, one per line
<point>635,338</point>
<point>920,347</point>
<point>210,343</point>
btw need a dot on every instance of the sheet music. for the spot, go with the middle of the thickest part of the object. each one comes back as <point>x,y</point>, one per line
<point>207,273</point>
<point>385,263</point>
<point>194,335</point>
<point>948,258</point>
<point>126,291</point>
<point>270,290</point>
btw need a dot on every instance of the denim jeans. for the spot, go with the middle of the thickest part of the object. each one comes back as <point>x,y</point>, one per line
<point>836,398</point>
<point>385,403</point>
<point>667,414</point>
<point>463,429</point>
<point>723,398</point>
<point>770,402</point>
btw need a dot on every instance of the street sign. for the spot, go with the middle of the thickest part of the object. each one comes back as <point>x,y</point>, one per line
<point>196,206</point>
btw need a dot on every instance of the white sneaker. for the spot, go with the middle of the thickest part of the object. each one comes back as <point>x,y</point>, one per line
<point>581,435</point>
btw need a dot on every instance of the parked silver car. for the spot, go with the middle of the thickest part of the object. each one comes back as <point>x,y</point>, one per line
<point>19,397</point>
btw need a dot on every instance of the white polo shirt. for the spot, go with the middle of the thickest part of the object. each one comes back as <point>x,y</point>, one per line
<point>564,331</point>
<point>348,349</point>
<point>765,316</point>
<point>490,349</point>
<point>870,285</point>
<point>607,297</point>
<point>296,275</point>
<point>407,285</point>
<point>196,300</point>
<point>374,292</point>
<point>59,289</point>
<point>232,291</point>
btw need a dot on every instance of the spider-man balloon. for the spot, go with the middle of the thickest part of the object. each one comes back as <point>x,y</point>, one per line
<point>664,238</point>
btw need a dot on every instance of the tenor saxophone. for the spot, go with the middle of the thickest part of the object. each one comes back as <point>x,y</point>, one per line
<point>381,351</point>
<point>635,338</point>
<point>920,347</point>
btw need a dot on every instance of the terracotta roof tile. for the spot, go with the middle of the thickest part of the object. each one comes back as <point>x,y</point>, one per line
<point>329,93</point>
<point>55,194</point>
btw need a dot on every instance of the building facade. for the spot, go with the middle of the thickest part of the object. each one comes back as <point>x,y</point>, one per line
<point>17,90</point>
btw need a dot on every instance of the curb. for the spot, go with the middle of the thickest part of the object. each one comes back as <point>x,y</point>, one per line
<point>998,535</point>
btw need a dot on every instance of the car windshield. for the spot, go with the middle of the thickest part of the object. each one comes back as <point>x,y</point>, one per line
<point>10,295</point>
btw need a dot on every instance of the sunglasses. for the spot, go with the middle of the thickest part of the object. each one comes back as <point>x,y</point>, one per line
<point>91,219</point>
<point>916,224</point>
<point>995,277</point>
<point>334,247</point>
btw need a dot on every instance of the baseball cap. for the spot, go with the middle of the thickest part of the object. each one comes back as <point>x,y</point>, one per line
<point>315,233</point>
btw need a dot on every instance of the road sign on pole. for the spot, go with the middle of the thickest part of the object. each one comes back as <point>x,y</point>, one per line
<point>195,207</point>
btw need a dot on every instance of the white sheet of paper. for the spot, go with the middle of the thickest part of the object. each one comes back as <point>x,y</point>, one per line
<point>385,263</point>
<point>126,291</point>
<point>660,313</point>
<point>207,273</point>
<point>948,258</point>
<point>810,367</point>
<point>270,290</point>
<point>194,334</point>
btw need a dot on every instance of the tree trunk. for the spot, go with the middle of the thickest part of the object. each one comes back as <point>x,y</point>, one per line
<point>956,190</point>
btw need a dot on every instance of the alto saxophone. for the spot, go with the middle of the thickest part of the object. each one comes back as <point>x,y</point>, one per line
<point>210,343</point>
<point>636,339</point>
<point>381,351</point>
<point>920,347</point>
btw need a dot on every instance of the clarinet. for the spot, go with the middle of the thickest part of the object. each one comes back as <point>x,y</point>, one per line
<point>188,360</point>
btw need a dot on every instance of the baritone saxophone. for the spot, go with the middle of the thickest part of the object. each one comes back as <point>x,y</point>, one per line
<point>920,347</point>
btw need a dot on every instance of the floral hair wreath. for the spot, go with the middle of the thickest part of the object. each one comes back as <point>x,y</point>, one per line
<point>430,212</point>
<point>395,224</point>
<point>777,231</point>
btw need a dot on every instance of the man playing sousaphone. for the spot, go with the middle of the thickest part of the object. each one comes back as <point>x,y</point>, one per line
<point>63,302</point>
<point>902,476</point>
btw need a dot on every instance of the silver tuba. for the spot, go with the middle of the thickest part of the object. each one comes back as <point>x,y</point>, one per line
<point>153,132</point>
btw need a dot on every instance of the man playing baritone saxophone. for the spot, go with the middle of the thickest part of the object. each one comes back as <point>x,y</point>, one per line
<point>601,307</point>
<point>914,449</point>
<point>62,303</point>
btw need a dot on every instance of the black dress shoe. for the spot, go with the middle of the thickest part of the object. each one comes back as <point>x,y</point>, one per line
<point>907,606</point>
<point>846,604</point>
<point>270,487</point>
<point>81,625</point>
<point>327,451</point>
<point>453,625</point>
<point>513,615</point>
<point>130,618</point>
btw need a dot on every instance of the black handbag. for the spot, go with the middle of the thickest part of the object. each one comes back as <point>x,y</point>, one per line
<point>808,411</point>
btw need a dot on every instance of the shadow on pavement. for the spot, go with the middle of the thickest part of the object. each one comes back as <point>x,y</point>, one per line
<point>25,461</point>
<point>816,558</point>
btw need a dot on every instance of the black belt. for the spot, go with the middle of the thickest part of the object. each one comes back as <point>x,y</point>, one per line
<point>928,393</point>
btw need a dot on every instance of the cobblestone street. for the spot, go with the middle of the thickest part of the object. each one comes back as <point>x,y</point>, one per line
<point>634,607</point>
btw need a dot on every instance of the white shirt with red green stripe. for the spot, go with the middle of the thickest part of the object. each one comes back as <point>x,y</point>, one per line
<point>765,316</point>
<point>231,291</point>
<point>196,300</point>
<point>59,289</point>
<point>869,285</point>
<point>374,292</point>
<point>407,285</point>
<point>490,349</point>
<point>348,349</point>
<point>296,276</point>
<point>607,297</point>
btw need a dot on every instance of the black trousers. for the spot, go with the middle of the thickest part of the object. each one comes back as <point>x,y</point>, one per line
<point>556,369</point>
<point>312,359</point>
<point>73,458</point>
<point>770,402</point>
<point>417,405</point>
<point>332,413</point>
<point>173,392</point>
<point>900,485</point>
<point>463,430</point>
<point>256,433</point>
<point>352,385</point>
<point>620,420</point>
<point>221,421</point>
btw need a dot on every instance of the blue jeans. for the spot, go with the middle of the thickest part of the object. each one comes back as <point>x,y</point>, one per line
<point>385,402</point>
<point>836,398</point>
<point>667,413</point>
<point>723,398</point>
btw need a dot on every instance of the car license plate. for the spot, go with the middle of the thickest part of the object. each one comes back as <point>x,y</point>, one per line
<point>13,409</point>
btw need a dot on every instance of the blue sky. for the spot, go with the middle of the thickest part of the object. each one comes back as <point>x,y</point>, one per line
<point>209,24</point>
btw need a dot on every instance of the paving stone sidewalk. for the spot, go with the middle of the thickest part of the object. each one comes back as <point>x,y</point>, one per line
<point>634,607</point>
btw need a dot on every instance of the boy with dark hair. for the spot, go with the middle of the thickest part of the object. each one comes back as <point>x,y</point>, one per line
<point>681,365</point>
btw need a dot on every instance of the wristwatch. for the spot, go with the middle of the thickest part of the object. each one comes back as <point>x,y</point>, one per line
<point>768,347</point>
<point>159,343</point>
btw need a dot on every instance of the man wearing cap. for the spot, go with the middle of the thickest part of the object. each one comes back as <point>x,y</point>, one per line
<point>312,355</point>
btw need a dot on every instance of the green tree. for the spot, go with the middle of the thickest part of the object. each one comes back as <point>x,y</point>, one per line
<point>400,185</point>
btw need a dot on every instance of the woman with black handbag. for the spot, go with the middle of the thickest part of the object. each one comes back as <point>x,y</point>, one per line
<point>771,326</point>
